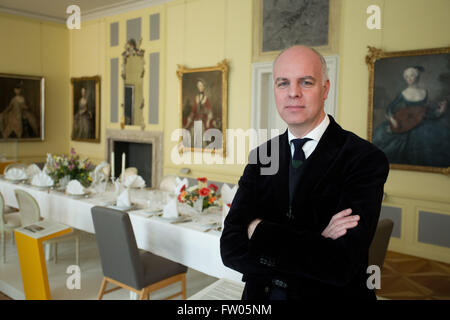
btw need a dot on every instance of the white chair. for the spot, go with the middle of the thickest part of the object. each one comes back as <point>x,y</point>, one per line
<point>30,213</point>
<point>8,222</point>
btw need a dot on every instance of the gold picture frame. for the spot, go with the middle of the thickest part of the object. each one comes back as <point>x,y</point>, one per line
<point>261,55</point>
<point>86,98</point>
<point>204,102</point>
<point>409,107</point>
<point>22,106</point>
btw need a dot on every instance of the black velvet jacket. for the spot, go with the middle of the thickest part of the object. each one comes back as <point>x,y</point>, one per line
<point>344,171</point>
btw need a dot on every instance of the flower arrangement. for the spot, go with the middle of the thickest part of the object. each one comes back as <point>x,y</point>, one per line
<point>71,166</point>
<point>201,192</point>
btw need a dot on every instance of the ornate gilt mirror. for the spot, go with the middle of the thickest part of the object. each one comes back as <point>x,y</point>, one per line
<point>132,75</point>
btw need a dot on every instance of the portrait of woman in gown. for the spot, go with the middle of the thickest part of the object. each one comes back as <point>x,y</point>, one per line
<point>17,120</point>
<point>416,130</point>
<point>83,120</point>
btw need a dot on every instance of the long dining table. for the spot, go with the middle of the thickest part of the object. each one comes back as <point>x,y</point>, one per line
<point>193,243</point>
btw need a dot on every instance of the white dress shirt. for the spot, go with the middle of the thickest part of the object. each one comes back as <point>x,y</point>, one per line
<point>314,135</point>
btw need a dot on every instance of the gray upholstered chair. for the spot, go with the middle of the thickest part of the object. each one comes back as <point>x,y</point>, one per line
<point>8,222</point>
<point>30,213</point>
<point>124,264</point>
<point>380,242</point>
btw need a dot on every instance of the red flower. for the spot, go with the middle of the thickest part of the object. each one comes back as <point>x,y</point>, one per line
<point>183,188</point>
<point>202,180</point>
<point>214,187</point>
<point>229,205</point>
<point>204,192</point>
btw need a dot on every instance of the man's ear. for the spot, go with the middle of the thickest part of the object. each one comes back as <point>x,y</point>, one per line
<point>326,89</point>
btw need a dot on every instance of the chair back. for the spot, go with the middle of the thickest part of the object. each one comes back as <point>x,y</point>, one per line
<point>119,254</point>
<point>380,242</point>
<point>28,207</point>
<point>2,212</point>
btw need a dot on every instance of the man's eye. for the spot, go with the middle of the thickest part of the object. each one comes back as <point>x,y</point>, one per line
<point>307,83</point>
<point>282,84</point>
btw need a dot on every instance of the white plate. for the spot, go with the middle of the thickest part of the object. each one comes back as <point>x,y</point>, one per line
<point>77,196</point>
<point>15,180</point>
<point>152,212</point>
<point>179,219</point>
<point>133,205</point>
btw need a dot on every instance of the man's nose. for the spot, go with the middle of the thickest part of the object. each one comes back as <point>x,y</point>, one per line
<point>295,91</point>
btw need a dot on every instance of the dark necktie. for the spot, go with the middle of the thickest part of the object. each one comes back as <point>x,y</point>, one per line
<point>296,163</point>
<point>299,155</point>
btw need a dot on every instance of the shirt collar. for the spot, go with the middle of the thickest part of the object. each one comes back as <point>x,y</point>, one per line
<point>314,134</point>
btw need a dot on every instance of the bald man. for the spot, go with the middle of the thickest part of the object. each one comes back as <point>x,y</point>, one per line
<point>305,231</point>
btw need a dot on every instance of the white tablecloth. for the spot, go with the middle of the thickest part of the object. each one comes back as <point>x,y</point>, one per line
<point>183,243</point>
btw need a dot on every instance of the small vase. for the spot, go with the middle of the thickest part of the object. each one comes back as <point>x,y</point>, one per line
<point>198,205</point>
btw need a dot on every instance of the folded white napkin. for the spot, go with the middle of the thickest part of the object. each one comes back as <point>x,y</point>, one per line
<point>227,197</point>
<point>100,173</point>
<point>123,200</point>
<point>32,170</point>
<point>170,210</point>
<point>179,183</point>
<point>16,174</point>
<point>134,181</point>
<point>74,187</point>
<point>42,180</point>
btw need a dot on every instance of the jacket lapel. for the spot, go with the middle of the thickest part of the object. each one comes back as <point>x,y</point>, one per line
<point>279,183</point>
<point>320,161</point>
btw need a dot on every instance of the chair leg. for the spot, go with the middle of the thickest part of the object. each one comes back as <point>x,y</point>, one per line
<point>183,286</point>
<point>144,294</point>
<point>102,289</point>
<point>56,252</point>
<point>3,246</point>
<point>77,251</point>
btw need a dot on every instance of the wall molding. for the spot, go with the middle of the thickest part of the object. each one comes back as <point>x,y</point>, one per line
<point>87,15</point>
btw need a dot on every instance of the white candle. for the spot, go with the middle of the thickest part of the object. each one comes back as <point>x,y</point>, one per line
<point>112,165</point>
<point>123,164</point>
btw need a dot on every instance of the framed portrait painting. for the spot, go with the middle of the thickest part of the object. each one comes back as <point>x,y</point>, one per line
<point>279,24</point>
<point>22,100</point>
<point>86,109</point>
<point>203,104</point>
<point>409,107</point>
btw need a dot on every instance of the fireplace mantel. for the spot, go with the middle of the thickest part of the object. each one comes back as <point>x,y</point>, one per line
<point>152,137</point>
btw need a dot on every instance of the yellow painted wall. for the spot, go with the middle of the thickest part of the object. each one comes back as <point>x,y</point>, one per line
<point>31,47</point>
<point>406,25</point>
<point>88,58</point>
<point>202,33</point>
<point>199,33</point>
<point>90,55</point>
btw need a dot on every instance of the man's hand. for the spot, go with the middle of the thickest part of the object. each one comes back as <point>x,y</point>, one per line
<point>252,227</point>
<point>339,224</point>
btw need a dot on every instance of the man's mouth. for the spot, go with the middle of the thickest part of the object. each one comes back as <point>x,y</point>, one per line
<point>294,107</point>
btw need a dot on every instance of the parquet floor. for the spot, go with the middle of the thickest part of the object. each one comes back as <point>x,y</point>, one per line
<point>405,277</point>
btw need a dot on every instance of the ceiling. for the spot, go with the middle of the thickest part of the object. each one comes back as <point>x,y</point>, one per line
<point>55,10</point>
